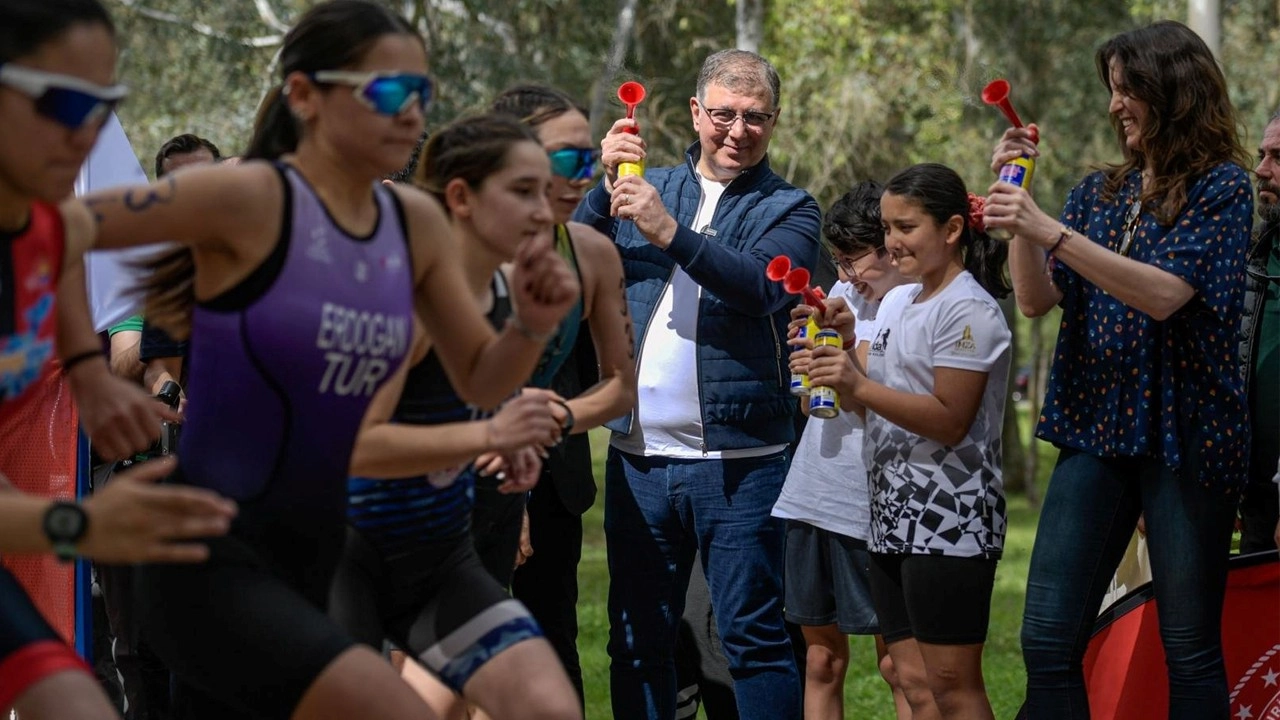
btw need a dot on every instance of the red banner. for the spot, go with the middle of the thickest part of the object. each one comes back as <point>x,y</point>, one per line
<point>1125,669</point>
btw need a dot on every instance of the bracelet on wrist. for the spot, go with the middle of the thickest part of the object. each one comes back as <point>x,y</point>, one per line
<point>849,344</point>
<point>79,358</point>
<point>1064,232</point>
<point>1050,258</point>
<point>566,427</point>
<point>541,338</point>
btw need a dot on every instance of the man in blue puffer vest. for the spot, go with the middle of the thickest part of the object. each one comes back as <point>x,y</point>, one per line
<point>700,461</point>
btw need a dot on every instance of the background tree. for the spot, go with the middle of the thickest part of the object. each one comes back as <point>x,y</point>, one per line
<point>869,86</point>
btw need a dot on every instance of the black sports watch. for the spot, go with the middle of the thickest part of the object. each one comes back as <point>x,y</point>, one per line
<point>64,524</point>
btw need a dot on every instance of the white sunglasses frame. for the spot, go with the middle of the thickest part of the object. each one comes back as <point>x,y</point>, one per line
<point>359,80</point>
<point>34,83</point>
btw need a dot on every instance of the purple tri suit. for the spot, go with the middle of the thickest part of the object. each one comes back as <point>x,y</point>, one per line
<point>282,369</point>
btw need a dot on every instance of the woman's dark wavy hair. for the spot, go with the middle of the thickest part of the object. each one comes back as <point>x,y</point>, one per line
<point>1191,126</point>
<point>25,25</point>
<point>942,195</point>
<point>853,222</point>
<point>535,104</point>
<point>331,35</point>
<point>471,148</point>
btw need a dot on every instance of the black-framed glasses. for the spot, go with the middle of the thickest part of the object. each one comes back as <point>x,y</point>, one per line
<point>573,163</point>
<point>850,264</point>
<point>1130,227</point>
<point>67,100</point>
<point>724,118</point>
<point>386,93</point>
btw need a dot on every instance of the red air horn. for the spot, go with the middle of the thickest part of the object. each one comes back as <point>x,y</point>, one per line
<point>997,93</point>
<point>1019,170</point>
<point>795,281</point>
<point>631,93</point>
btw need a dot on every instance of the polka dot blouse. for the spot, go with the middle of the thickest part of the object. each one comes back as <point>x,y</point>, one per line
<point>1126,384</point>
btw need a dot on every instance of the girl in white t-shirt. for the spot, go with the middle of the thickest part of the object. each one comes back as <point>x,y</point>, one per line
<point>933,392</point>
<point>825,500</point>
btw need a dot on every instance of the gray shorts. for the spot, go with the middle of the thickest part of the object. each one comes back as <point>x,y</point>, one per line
<point>825,580</point>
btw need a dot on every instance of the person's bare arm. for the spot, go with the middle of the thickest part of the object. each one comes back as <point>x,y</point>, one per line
<point>129,520</point>
<point>116,414</point>
<point>612,333</point>
<point>124,350</point>
<point>161,370</point>
<point>390,450</point>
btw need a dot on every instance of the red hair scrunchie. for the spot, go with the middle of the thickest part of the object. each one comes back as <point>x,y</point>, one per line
<point>977,204</point>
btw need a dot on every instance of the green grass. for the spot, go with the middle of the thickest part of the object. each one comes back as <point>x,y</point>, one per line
<point>866,695</point>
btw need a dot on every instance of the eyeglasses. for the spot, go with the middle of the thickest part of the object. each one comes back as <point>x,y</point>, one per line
<point>724,118</point>
<point>1130,226</point>
<point>574,163</point>
<point>849,264</point>
<point>382,92</point>
<point>68,101</point>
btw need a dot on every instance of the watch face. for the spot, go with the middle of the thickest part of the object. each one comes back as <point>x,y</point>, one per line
<point>65,522</point>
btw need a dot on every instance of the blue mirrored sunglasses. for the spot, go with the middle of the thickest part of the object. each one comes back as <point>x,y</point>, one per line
<point>574,163</point>
<point>382,92</point>
<point>68,101</point>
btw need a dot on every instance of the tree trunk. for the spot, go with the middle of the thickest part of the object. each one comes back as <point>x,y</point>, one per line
<point>1039,361</point>
<point>1014,450</point>
<point>750,22</point>
<point>623,30</point>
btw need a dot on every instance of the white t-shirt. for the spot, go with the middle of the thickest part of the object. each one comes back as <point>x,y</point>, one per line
<point>827,483</point>
<point>668,414</point>
<point>928,498</point>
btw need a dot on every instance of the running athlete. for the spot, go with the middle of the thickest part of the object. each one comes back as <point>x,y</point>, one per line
<point>57,60</point>
<point>306,275</point>
<point>597,375</point>
<point>410,572</point>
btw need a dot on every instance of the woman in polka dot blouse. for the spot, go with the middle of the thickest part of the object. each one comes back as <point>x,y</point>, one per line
<point>1145,400</point>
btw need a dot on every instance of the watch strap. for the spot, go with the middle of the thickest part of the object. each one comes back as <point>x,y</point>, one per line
<point>63,537</point>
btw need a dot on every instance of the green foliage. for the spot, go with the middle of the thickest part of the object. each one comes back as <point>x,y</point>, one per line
<point>183,80</point>
<point>888,84</point>
<point>869,86</point>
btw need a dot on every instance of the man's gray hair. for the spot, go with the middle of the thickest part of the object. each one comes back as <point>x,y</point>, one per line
<point>742,72</point>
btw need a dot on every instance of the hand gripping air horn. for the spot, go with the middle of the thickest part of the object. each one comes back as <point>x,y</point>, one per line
<point>795,281</point>
<point>631,93</point>
<point>1019,170</point>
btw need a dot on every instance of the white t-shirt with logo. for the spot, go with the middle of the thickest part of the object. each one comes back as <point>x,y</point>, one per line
<point>668,414</point>
<point>928,498</point>
<point>827,483</point>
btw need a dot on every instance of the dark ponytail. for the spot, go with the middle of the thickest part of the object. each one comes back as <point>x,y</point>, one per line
<point>329,36</point>
<point>941,194</point>
<point>25,25</point>
<point>985,259</point>
<point>169,290</point>
<point>275,129</point>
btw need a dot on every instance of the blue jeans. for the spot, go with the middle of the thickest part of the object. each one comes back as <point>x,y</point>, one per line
<point>1088,518</point>
<point>657,512</point>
